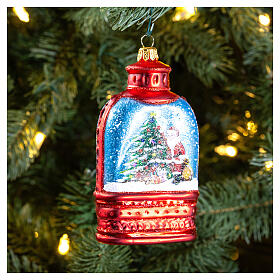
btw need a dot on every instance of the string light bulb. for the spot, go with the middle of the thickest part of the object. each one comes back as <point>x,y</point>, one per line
<point>264,19</point>
<point>250,94</point>
<point>184,13</point>
<point>247,114</point>
<point>252,127</point>
<point>235,255</point>
<point>237,227</point>
<point>220,150</point>
<point>233,137</point>
<point>64,244</point>
<point>39,138</point>
<point>268,165</point>
<point>231,151</point>
<point>226,150</point>
<point>21,13</point>
<point>109,94</point>
<point>262,150</point>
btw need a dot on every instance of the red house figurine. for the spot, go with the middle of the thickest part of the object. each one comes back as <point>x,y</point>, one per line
<point>147,160</point>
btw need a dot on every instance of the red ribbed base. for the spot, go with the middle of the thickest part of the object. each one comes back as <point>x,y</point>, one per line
<point>146,238</point>
<point>146,218</point>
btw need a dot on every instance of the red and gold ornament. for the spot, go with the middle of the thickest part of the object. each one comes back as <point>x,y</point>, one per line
<point>146,192</point>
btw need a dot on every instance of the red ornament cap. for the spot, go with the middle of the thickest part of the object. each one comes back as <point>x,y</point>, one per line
<point>148,73</point>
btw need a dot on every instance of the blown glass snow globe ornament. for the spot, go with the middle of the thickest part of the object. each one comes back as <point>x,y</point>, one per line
<point>147,160</point>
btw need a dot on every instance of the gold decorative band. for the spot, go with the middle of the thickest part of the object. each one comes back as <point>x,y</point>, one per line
<point>147,53</point>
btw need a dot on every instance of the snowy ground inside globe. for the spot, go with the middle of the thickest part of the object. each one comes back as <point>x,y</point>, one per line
<point>142,187</point>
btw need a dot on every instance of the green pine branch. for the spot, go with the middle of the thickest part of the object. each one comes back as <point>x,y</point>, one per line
<point>75,204</point>
<point>55,95</point>
<point>21,264</point>
<point>123,18</point>
<point>28,234</point>
<point>259,54</point>
<point>203,50</point>
<point>88,20</point>
<point>22,148</point>
<point>91,256</point>
<point>202,255</point>
<point>114,55</point>
<point>11,84</point>
<point>236,208</point>
<point>264,173</point>
<point>245,26</point>
<point>239,25</point>
<point>109,82</point>
<point>262,105</point>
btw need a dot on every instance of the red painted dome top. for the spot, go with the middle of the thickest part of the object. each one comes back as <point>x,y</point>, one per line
<point>148,72</point>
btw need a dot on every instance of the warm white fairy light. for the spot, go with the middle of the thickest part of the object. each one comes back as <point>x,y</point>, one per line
<point>235,255</point>
<point>242,130</point>
<point>268,70</point>
<point>247,114</point>
<point>64,244</point>
<point>39,138</point>
<point>231,151</point>
<point>21,13</point>
<point>233,137</point>
<point>184,13</point>
<point>268,165</point>
<point>37,141</point>
<point>264,19</point>
<point>109,94</point>
<point>250,94</point>
<point>252,127</point>
<point>220,150</point>
<point>226,150</point>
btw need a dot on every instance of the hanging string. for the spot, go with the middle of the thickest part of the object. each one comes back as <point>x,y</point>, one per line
<point>151,25</point>
<point>150,29</point>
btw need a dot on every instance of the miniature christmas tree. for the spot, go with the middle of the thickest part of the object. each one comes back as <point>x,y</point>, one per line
<point>149,158</point>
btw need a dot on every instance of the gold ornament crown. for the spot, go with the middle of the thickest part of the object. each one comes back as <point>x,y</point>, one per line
<point>147,53</point>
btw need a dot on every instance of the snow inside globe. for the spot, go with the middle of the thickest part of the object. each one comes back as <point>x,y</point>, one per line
<point>149,148</point>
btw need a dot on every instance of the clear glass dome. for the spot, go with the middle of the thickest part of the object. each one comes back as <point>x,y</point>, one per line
<point>150,148</point>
